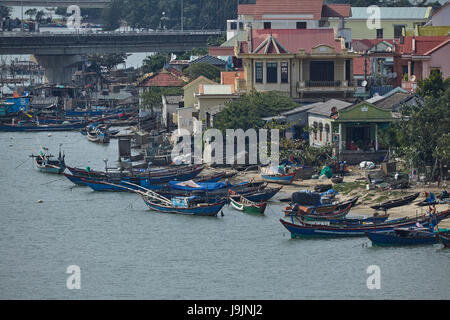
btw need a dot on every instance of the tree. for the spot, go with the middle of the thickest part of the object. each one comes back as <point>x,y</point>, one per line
<point>203,69</point>
<point>39,15</point>
<point>193,52</point>
<point>5,12</point>
<point>31,13</point>
<point>152,98</point>
<point>113,14</point>
<point>247,112</point>
<point>155,62</point>
<point>106,62</point>
<point>422,137</point>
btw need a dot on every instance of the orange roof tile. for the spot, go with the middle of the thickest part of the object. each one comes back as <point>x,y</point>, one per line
<point>423,44</point>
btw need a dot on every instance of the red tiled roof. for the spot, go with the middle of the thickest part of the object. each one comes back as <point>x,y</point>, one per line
<point>162,79</point>
<point>175,72</point>
<point>423,44</point>
<point>262,7</point>
<point>337,10</point>
<point>292,40</point>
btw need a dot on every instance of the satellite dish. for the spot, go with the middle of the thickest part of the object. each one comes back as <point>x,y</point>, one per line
<point>364,83</point>
<point>413,78</point>
<point>388,49</point>
<point>394,75</point>
<point>389,75</point>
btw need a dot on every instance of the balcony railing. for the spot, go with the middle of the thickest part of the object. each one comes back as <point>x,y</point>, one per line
<point>317,84</point>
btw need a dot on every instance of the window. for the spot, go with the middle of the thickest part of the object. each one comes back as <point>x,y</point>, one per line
<point>301,25</point>
<point>379,33</point>
<point>398,30</point>
<point>233,26</point>
<point>284,72</point>
<point>241,26</point>
<point>267,25</point>
<point>259,72</point>
<point>324,23</point>
<point>272,72</point>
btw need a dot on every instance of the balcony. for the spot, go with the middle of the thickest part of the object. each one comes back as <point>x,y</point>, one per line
<point>326,86</point>
<point>410,86</point>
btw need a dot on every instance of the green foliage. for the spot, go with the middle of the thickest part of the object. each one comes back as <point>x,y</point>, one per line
<point>215,42</point>
<point>194,52</point>
<point>152,98</point>
<point>203,69</point>
<point>248,111</point>
<point>31,12</point>
<point>422,137</point>
<point>304,153</point>
<point>148,14</point>
<point>5,12</point>
<point>154,63</point>
<point>106,62</point>
<point>433,86</point>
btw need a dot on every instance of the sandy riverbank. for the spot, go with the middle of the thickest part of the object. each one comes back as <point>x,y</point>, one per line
<point>355,185</point>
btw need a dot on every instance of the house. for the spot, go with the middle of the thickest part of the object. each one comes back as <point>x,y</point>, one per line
<point>416,57</point>
<point>442,16</point>
<point>398,99</point>
<point>392,21</point>
<point>352,129</point>
<point>236,79</point>
<point>170,106</point>
<point>220,63</point>
<point>189,111</point>
<point>304,64</point>
<point>211,99</point>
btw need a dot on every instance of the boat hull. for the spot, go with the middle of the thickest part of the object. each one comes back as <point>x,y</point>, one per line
<point>204,210</point>
<point>280,179</point>
<point>391,239</point>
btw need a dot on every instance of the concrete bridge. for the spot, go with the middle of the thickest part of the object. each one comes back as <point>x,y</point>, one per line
<point>59,52</point>
<point>57,3</point>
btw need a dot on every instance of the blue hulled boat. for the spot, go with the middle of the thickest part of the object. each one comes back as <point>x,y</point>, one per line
<point>445,239</point>
<point>184,206</point>
<point>299,228</point>
<point>405,237</point>
<point>35,127</point>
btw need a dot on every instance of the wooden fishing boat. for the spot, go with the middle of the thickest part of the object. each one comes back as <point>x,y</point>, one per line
<point>279,178</point>
<point>444,239</point>
<point>184,206</point>
<point>241,203</point>
<point>299,228</point>
<point>47,163</point>
<point>405,237</point>
<point>99,134</point>
<point>35,127</point>
<point>315,216</point>
<point>324,209</point>
<point>396,203</point>
<point>359,221</point>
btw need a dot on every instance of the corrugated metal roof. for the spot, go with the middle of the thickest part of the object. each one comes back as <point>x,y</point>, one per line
<point>403,13</point>
<point>304,7</point>
<point>324,108</point>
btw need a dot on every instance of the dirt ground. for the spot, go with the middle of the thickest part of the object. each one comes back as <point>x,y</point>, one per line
<point>355,185</point>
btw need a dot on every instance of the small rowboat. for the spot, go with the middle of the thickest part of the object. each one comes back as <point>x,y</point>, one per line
<point>314,216</point>
<point>47,163</point>
<point>405,237</point>
<point>279,178</point>
<point>396,203</point>
<point>185,206</point>
<point>240,203</point>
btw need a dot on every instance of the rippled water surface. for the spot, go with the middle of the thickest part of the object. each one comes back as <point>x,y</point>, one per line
<point>126,251</point>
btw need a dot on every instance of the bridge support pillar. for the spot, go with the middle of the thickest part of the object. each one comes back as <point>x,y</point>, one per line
<point>59,69</point>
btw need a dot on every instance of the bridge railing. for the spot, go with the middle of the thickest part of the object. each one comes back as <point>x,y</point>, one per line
<point>84,32</point>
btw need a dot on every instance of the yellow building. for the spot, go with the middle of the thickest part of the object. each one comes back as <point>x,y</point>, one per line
<point>391,23</point>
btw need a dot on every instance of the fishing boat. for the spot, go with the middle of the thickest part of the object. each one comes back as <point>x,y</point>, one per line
<point>315,216</point>
<point>183,206</point>
<point>279,178</point>
<point>445,239</point>
<point>396,203</point>
<point>300,228</point>
<point>360,221</point>
<point>47,163</point>
<point>241,203</point>
<point>99,134</point>
<point>322,209</point>
<point>36,127</point>
<point>405,237</point>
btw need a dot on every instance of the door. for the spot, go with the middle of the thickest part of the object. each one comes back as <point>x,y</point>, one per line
<point>321,71</point>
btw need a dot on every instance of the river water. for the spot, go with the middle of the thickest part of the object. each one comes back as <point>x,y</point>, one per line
<point>125,251</point>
